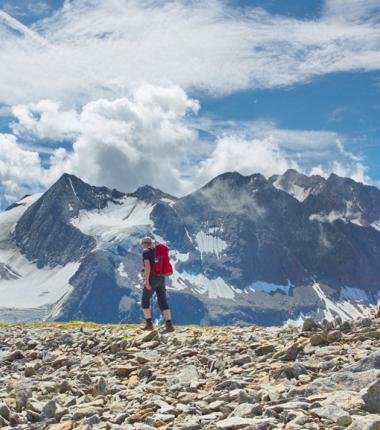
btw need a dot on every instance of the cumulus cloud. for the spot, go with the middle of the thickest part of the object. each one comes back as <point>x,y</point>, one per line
<point>245,156</point>
<point>264,148</point>
<point>20,170</point>
<point>92,48</point>
<point>123,143</point>
<point>45,120</point>
<point>354,170</point>
<point>150,136</point>
<point>343,163</point>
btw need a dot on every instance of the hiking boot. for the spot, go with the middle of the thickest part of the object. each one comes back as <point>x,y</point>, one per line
<point>148,326</point>
<point>169,326</point>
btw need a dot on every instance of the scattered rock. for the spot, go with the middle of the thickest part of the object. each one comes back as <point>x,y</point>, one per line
<point>145,337</point>
<point>4,411</point>
<point>333,413</point>
<point>345,327</point>
<point>369,422</point>
<point>247,410</point>
<point>101,387</point>
<point>365,322</point>
<point>187,375</point>
<point>318,339</point>
<point>15,355</point>
<point>29,371</point>
<point>289,354</point>
<point>309,324</point>
<point>66,425</point>
<point>49,410</point>
<point>234,423</point>
<point>372,397</point>
<point>264,350</point>
<point>64,386</point>
<point>123,371</point>
<point>84,411</point>
<point>256,378</point>
<point>334,336</point>
<point>59,361</point>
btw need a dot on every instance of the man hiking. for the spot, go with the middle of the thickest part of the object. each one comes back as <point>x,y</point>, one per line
<point>153,283</point>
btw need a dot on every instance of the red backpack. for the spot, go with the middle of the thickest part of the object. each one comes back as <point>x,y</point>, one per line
<point>162,264</point>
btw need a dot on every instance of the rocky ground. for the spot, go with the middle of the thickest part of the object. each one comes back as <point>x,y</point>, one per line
<point>74,376</point>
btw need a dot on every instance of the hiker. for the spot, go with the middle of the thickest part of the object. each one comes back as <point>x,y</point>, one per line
<point>153,283</point>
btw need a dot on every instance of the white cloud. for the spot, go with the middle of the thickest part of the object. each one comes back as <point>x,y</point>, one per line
<point>23,8</point>
<point>45,120</point>
<point>346,153</point>
<point>123,143</point>
<point>235,153</point>
<point>149,137</point>
<point>357,11</point>
<point>92,48</point>
<point>354,170</point>
<point>20,170</point>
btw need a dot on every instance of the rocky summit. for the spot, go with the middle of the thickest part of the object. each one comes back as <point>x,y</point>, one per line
<point>63,376</point>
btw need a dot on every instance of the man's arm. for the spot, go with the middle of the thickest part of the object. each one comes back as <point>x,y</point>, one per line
<point>147,274</point>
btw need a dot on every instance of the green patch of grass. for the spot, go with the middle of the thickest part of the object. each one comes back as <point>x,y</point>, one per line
<point>5,325</point>
<point>65,325</point>
<point>201,327</point>
<point>69,325</point>
<point>87,325</point>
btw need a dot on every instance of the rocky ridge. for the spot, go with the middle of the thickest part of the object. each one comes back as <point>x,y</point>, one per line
<point>245,250</point>
<point>86,376</point>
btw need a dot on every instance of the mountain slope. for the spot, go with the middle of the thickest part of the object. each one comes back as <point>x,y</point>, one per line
<point>44,233</point>
<point>245,249</point>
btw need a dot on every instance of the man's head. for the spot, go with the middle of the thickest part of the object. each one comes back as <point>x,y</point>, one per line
<point>146,242</point>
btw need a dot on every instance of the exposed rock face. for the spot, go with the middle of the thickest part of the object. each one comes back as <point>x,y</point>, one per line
<point>96,295</point>
<point>44,234</point>
<point>298,185</point>
<point>119,377</point>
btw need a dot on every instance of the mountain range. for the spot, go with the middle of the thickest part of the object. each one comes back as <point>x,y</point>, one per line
<point>246,250</point>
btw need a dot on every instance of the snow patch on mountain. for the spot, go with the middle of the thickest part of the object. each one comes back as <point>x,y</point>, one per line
<point>356,294</point>
<point>267,287</point>
<point>178,256</point>
<point>209,243</point>
<point>35,287</point>
<point>29,286</point>
<point>72,187</point>
<point>121,270</point>
<point>295,322</point>
<point>116,222</point>
<point>345,309</point>
<point>170,202</point>
<point>213,288</point>
<point>298,192</point>
<point>9,218</point>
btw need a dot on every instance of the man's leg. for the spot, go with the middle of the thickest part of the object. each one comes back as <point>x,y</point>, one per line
<point>167,315</point>
<point>145,304</point>
<point>147,313</point>
<point>163,303</point>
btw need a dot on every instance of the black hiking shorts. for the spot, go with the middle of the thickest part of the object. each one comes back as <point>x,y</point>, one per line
<point>158,286</point>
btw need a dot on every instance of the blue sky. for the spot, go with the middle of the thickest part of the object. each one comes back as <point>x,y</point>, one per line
<point>102,89</point>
